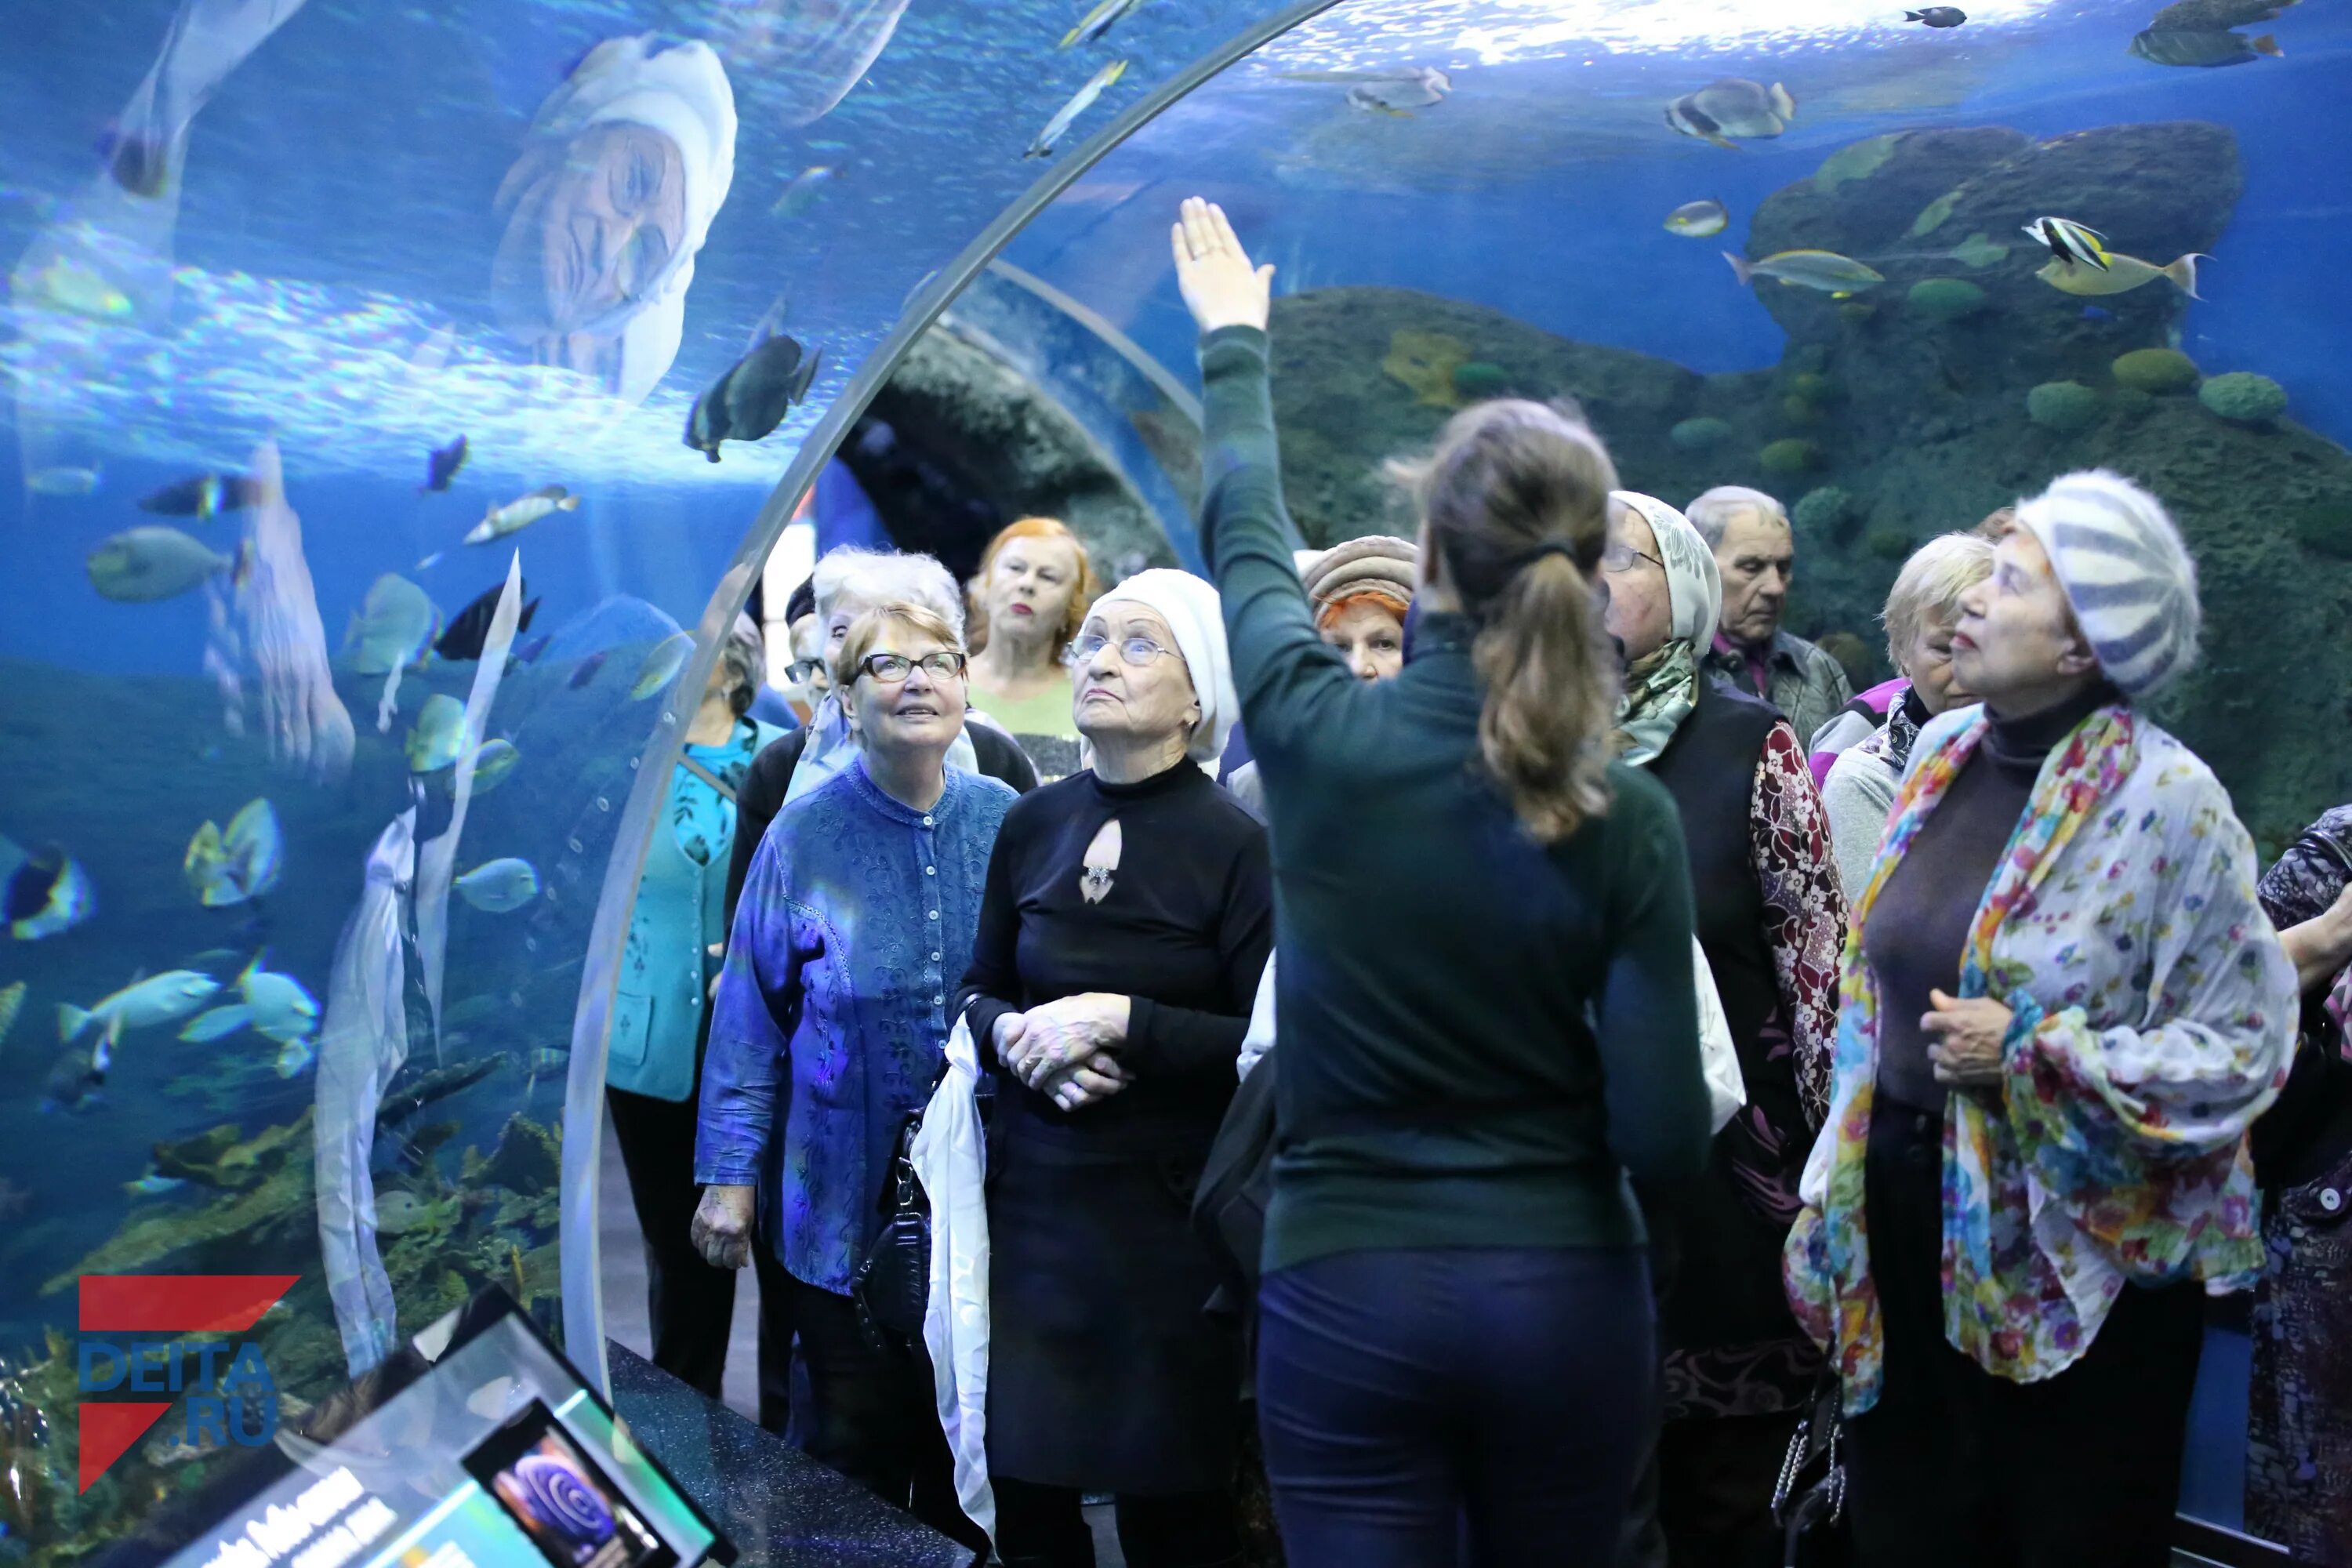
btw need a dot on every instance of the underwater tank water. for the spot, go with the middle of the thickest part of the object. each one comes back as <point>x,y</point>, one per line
<point>316,242</point>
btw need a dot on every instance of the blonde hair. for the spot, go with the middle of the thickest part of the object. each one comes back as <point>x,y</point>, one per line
<point>867,630</point>
<point>1082,592</point>
<point>1929,586</point>
<point>1515,498</point>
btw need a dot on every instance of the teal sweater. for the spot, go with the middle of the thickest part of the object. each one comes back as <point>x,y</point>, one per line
<point>1480,1036</point>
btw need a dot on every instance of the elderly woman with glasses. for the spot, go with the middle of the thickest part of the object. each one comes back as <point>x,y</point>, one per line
<point>831,1024</point>
<point>1770,922</point>
<point>1128,918</point>
<point>847,584</point>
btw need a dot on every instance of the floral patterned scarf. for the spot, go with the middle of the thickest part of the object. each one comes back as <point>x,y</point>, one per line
<point>2060,1157</point>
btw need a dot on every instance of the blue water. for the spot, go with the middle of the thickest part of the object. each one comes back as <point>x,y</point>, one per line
<point>325,282</point>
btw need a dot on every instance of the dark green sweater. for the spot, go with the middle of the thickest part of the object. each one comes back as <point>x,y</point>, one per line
<point>1480,1036</point>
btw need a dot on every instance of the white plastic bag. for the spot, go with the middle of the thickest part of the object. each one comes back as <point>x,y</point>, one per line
<point>1718,1059</point>
<point>950,1162</point>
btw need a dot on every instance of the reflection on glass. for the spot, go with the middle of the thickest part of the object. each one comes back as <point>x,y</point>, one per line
<point>627,163</point>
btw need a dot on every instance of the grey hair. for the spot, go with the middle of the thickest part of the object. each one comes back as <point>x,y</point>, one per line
<point>1712,513</point>
<point>1929,588</point>
<point>744,656</point>
<point>883,576</point>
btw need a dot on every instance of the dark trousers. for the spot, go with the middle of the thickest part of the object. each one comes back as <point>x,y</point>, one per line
<point>690,1304</point>
<point>1042,1527</point>
<point>1410,1399</point>
<point>1956,1467</point>
<point>873,1415</point>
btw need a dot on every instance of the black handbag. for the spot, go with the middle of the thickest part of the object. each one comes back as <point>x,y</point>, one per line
<point>893,1286</point>
<point>1809,1503</point>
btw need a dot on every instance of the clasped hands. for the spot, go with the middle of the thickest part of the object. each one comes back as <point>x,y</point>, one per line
<point>1066,1050</point>
<point>1964,1040</point>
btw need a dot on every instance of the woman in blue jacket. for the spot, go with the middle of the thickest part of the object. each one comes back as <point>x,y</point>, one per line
<point>652,1070</point>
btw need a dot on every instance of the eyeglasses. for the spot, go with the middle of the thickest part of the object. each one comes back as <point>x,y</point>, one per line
<point>801,671</point>
<point>1134,651</point>
<point>890,668</point>
<point>1620,558</point>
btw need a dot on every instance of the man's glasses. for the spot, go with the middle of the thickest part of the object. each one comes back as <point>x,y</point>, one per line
<point>890,668</point>
<point>801,671</point>
<point>1134,651</point>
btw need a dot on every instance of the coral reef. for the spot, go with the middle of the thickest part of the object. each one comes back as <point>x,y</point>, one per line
<point>1946,299</point>
<point>2155,371</point>
<point>1929,426</point>
<point>1700,434</point>
<point>1425,364</point>
<point>2243,398</point>
<point>1479,380</point>
<point>1341,411</point>
<point>526,1159</point>
<point>2064,407</point>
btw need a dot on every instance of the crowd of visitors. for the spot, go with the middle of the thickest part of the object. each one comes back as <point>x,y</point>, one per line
<point>1531,801</point>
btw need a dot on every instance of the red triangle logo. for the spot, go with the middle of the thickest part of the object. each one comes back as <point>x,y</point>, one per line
<point>105,1431</point>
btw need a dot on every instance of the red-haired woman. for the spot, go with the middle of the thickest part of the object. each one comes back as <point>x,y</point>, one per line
<point>1028,600</point>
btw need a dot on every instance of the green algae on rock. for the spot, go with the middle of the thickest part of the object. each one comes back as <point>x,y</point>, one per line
<point>2157,370</point>
<point>1790,456</point>
<point>1887,543</point>
<point>1856,161</point>
<point>1828,511</point>
<point>1479,380</point>
<point>2242,398</point>
<point>2064,407</point>
<point>1947,298</point>
<point>1700,434</point>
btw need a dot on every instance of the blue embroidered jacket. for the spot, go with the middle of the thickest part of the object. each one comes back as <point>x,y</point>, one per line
<point>854,928</point>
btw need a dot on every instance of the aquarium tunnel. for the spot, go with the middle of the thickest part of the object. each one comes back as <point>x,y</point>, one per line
<point>369,540</point>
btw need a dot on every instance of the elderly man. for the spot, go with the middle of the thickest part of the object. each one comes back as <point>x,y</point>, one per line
<point>1757,553</point>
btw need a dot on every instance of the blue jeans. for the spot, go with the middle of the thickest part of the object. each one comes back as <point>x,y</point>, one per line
<point>1413,1401</point>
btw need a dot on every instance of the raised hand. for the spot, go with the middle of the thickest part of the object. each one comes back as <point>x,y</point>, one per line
<point>1220,286</point>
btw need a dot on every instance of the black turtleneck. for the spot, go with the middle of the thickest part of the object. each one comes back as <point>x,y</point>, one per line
<point>1178,917</point>
<point>1915,933</point>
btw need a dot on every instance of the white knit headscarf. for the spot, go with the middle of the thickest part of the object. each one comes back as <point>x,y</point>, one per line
<point>2126,574</point>
<point>1190,607</point>
<point>682,92</point>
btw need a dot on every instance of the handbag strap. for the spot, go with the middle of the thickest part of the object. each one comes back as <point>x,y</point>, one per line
<point>726,790</point>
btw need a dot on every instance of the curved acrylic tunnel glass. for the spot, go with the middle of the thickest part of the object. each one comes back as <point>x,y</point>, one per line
<point>1466,201</point>
<point>326,734</point>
